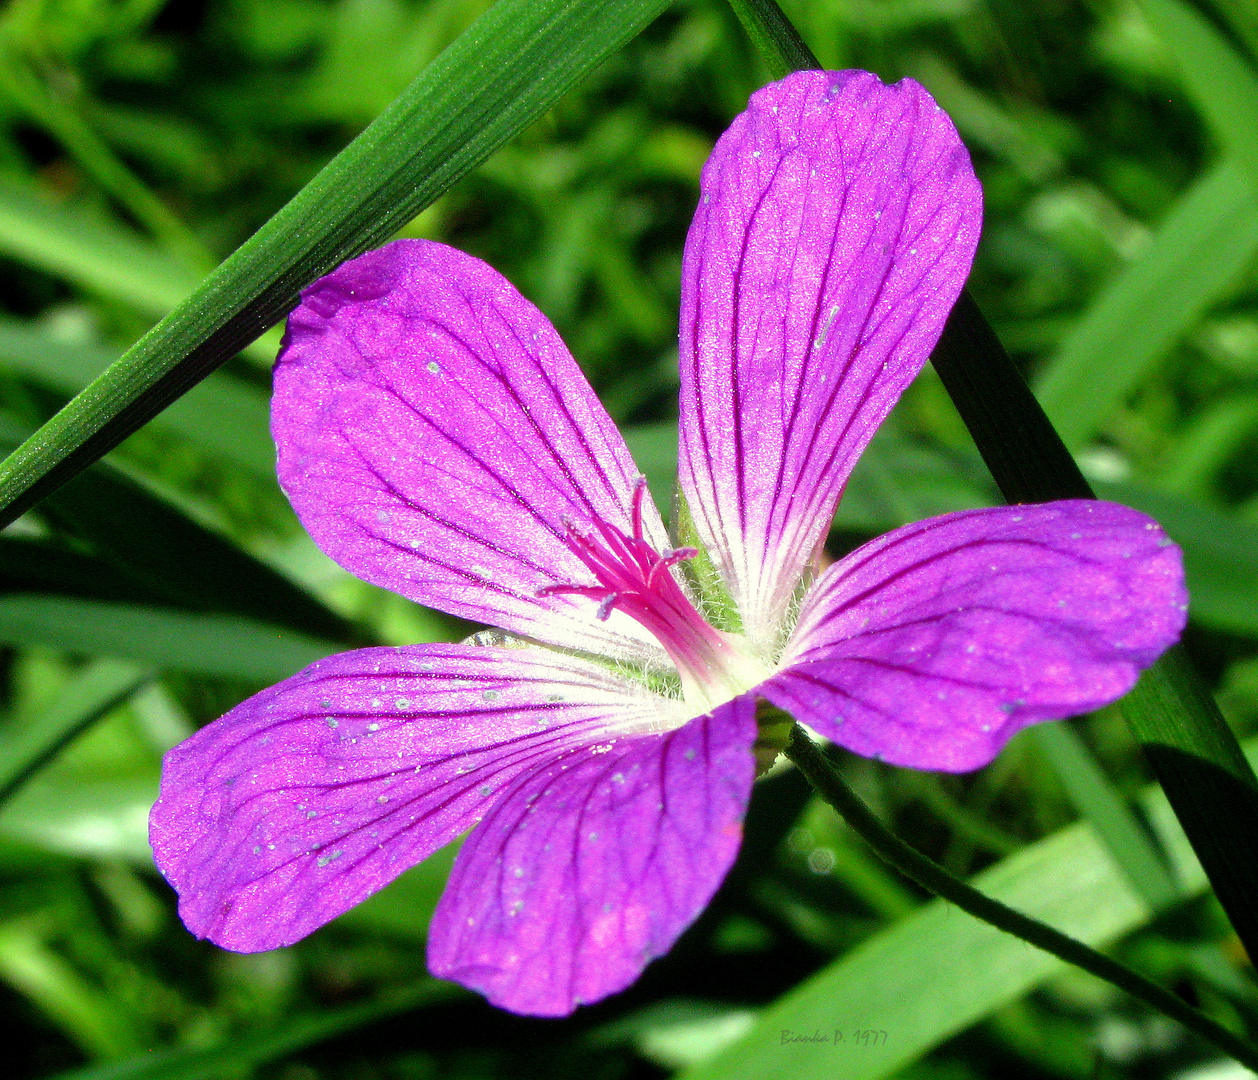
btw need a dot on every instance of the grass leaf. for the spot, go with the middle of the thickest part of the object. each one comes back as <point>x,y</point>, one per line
<point>508,68</point>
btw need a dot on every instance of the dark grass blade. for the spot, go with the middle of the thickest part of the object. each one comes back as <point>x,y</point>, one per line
<point>1193,753</point>
<point>134,546</point>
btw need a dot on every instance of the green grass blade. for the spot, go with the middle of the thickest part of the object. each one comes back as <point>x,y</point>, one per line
<point>179,562</point>
<point>223,415</point>
<point>54,112</point>
<point>777,41</point>
<point>89,1015</point>
<point>94,253</point>
<point>251,1050</point>
<point>1240,21</point>
<point>508,68</point>
<point>886,999</point>
<point>1204,244</point>
<point>30,742</point>
<point>1100,804</point>
<point>1193,752</point>
<point>1222,83</point>
<point>149,547</point>
<point>223,645</point>
<point>1208,443</point>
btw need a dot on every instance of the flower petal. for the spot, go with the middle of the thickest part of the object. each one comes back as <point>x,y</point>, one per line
<point>932,645</point>
<point>835,230</point>
<point>594,865</point>
<point>435,435</point>
<point>315,793</point>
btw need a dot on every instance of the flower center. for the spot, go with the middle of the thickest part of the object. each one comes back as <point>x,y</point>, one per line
<point>636,579</point>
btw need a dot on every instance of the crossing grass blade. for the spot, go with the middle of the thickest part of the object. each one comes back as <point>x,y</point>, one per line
<point>223,415</point>
<point>1113,821</point>
<point>507,69</point>
<point>1204,244</point>
<point>252,1050</point>
<point>1194,754</point>
<point>225,645</point>
<point>143,549</point>
<point>94,253</point>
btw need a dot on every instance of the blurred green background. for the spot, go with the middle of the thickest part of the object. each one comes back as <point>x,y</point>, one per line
<point>142,140</point>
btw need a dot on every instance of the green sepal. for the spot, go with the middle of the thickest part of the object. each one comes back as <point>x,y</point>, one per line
<point>701,573</point>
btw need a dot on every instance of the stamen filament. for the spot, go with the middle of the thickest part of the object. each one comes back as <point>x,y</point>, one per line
<point>636,579</point>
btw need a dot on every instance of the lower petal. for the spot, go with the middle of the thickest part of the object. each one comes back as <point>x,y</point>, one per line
<point>594,864</point>
<point>931,646</point>
<point>310,796</point>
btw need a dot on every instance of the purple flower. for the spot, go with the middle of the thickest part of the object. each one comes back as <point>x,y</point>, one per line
<point>436,438</point>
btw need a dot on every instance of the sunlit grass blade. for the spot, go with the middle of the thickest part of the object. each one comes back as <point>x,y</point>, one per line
<point>223,645</point>
<point>92,1018</point>
<point>94,253</point>
<point>54,112</point>
<point>1208,443</point>
<point>30,741</point>
<point>1241,18</point>
<point>1193,752</point>
<point>886,997</point>
<point>1222,82</point>
<point>505,70</point>
<point>1203,246</point>
<point>1206,242</point>
<point>1107,812</point>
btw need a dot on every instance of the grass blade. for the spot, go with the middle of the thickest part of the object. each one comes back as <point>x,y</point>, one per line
<point>249,1051</point>
<point>1192,751</point>
<point>149,545</point>
<point>1223,84</point>
<point>890,988</point>
<point>508,68</point>
<point>1105,809</point>
<point>34,741</point>
<point>96,254</point>
<point>223,415</point>
<point>1189,745</point>
<point>1205,243</point>
<point>222,645</point>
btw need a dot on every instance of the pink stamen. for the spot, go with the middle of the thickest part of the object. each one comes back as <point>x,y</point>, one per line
<point>635,578</point>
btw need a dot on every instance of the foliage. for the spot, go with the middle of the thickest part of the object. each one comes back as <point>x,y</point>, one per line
<point>142,141</point>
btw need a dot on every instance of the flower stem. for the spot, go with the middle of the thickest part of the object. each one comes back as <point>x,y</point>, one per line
<point>821,773</point>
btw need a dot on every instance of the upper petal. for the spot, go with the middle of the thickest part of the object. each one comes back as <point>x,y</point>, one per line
<point>932,645</point>
<point>310,796</point>
<point>594,864</point>
<point>435,435</point>
<point>835,230</point>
